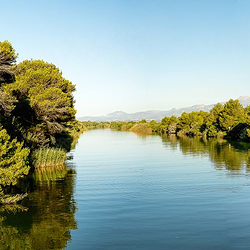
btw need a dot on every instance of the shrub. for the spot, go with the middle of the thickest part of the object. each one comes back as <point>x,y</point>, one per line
<point>13,165</point>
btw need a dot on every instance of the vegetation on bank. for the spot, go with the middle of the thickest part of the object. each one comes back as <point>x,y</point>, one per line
<point>95,125</point>
<point>37,118</point>
<point>48,157</point>
<point>230,120</point>
<point>38,125</point>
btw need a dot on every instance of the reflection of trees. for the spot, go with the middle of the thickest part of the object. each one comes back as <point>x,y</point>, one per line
<point>170,141</point>
<point>10,238</point>
<point>224,154</point>
<point>50,216</point>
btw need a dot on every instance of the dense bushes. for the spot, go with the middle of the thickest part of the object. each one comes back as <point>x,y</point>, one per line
<point>230,120</point>
<point>36,113</point>
<point>95,125</point>
<point>13,165</point>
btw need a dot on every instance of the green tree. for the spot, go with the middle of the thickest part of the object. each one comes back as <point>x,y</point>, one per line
<point>247,114</point>
<point>168,125</point>
<point>212,123</point>
<point>154,125</point>
<point>44,104</point>
<point>232,114</point>
<point>192,123</point>
<point>13,163</point>
<point>7,60</point>
<point>163,127</point>
<point>172,127</point>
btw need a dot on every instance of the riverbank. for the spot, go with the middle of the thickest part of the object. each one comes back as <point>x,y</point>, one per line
<point>229,121</point>
<point>37,118</point>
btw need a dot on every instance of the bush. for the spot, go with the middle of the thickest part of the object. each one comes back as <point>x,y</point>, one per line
<point>13,164</point>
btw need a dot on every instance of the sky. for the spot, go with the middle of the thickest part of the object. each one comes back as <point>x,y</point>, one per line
<point>137,55</point>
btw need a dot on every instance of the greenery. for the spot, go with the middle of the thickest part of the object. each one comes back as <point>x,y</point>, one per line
<point>230,120</point>
<point>95,125</point>
<point>13,165</point>
<point>48,157</point>
<point>38,125</point>
<point>44,102</point>
<point>37,118</point>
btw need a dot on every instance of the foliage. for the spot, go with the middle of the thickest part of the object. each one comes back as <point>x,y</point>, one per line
<point>230,120</point>
<point>122,126</point>
<point>231,115</point>
<point>192,123</point>
<point>44,102</point>
<point>95,125</point>
<point>154,125</point>
<point>36,112</point>
<point>168,125</point>
<point>239,132</point>
<point>7,59</point>
<point>13,164</point>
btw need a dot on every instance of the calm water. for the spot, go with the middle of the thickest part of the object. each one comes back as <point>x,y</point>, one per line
<point>126,191</point>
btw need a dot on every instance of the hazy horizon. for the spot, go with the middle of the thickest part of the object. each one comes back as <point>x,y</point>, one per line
<point>137,55</point>
<point>206,104</point>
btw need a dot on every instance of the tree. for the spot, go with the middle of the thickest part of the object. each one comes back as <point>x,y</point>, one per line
<point>212,124</point>
<point>232,114</point>
<point>44,102</point>
<point>154,125</point>
<point>7,60</point>
<point>13,163</point>
<point>247,114</point>
<point>172,127</point>
<point>192,123</point>
<point>169,124</point>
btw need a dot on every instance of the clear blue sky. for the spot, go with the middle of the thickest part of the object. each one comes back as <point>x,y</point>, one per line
<point>135,55</point>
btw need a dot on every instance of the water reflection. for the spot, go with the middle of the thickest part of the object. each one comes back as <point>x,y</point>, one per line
<point>133,193</point>
<point>45,218</point>
<point>233,156</point>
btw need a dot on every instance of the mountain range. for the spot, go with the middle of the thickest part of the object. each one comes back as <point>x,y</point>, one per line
<point>156,115</point>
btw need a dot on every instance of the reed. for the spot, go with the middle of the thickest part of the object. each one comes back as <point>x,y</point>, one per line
<point>48,157</point>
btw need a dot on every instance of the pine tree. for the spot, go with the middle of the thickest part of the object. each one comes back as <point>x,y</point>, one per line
<point>13,164</point>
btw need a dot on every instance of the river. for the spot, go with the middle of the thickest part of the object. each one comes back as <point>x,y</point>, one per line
<point>128,191</point>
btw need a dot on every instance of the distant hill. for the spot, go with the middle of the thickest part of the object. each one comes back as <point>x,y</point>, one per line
<point>154,114</point>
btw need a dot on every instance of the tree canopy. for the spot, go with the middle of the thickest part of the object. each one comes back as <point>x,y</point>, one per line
<point>44,102</point>
<point>231,115</point>
<point>13,161</point>
<point>7,59</point>
<point>36,111</point>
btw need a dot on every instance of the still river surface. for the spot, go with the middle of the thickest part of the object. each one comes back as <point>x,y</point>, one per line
<point>128,191</point>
